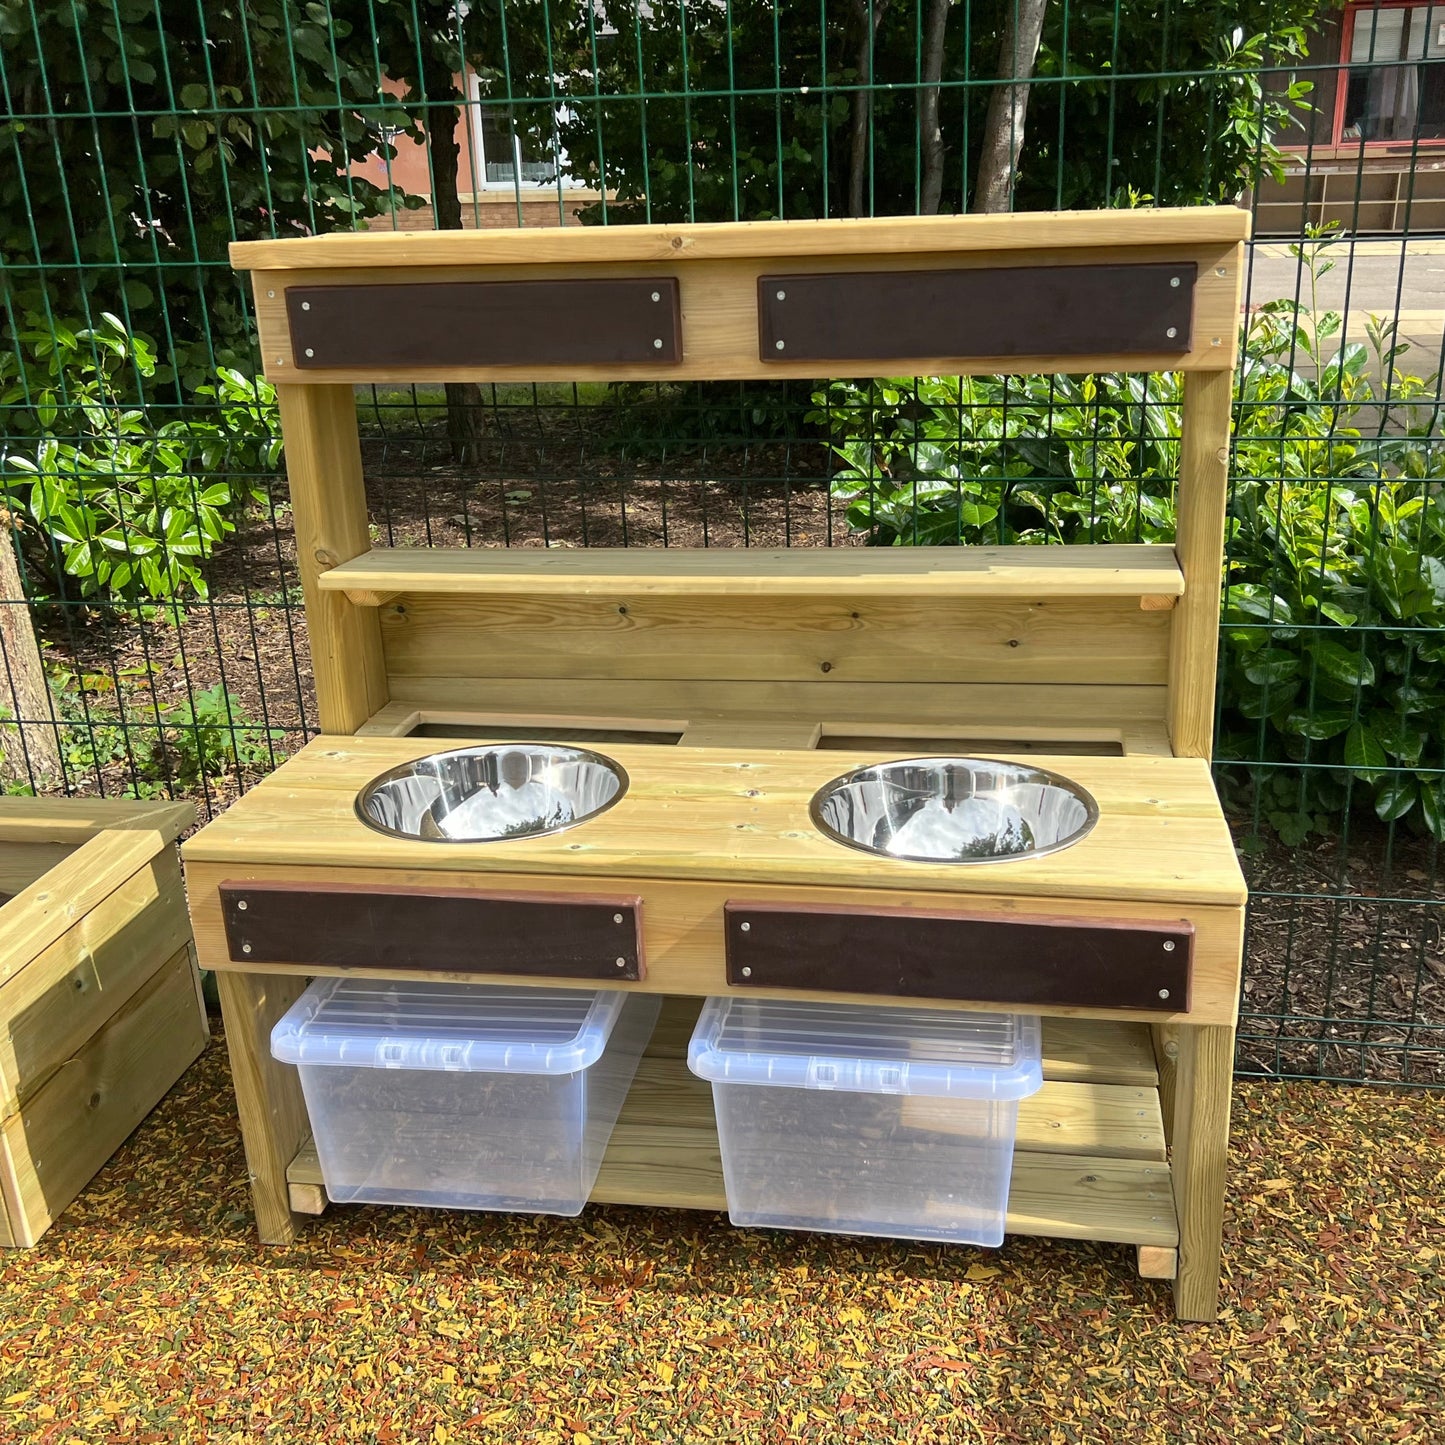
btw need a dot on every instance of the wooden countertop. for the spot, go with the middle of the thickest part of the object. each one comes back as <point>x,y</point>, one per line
<point>734,815</point>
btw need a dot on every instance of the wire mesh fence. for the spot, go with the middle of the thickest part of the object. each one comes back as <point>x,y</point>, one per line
<point>139,460</point>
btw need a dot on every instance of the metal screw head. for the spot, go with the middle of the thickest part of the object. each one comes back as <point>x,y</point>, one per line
<point>657,295</point>
<point>306,306</point>
<point>241,905</point>
<point>1168,945</point>
<point>1221,270</point>
<point>779,345</point>
<point>747,973</point>
<point>245,948</point>
<point>310,352</point>
<point>271,295</point>
<point>1173,280</point>
<point>622,963</point>
<point>1172,332</point>
<point>617,918</point>
<point>782,295</point>
<point>657,343</point>
<point>746,927</point>
<point>280,361</point>
<point>1163,993</point>
<point>1216,341</point>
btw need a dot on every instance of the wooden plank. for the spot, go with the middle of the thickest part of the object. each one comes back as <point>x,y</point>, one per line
<point>684,933</point>
<point>50,1008</point>
<point>720,319</point>
<point>78,820</point>
<point>1103,1053</point>
<point>52,1147</point>
<point>268,1094</point>
<point>1074,640</point>
<point>1156,1262</point>
<point>305,1186</point>
<point>786,733</point>
<point>41,913</point>
<point>1031,573</point>
<point>1078,711</point>
<point>1200,1160</point>
<point>886,236</point>
<point>1203,494</point>
<point>700,814</point>
<point>22,863</point>
<point>328,501</point>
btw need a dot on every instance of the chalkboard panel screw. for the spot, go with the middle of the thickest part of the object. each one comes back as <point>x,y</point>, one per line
<point>310,352</point>
<point>242,905</point>
<point>1172,332</point>
<point>1173,280</point>
<point>747,973</point>
<point>657,295</point>
<point>746,927</point>
<point>780,345</point>
<point>657,343</point>
<point>1168,945</point>
<point>306,306</point>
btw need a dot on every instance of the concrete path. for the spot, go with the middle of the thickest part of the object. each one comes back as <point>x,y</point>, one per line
<point>1403,280</point>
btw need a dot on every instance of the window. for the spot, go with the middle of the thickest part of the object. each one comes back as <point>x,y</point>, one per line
<point>1394,87</point>
<point>513,152</point>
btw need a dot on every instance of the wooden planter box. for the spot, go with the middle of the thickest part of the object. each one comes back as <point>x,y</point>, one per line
<point>100,1005</point>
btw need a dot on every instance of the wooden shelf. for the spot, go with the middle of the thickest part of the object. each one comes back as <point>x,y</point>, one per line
<point>1089,1163</point>
<point>1129,570</point>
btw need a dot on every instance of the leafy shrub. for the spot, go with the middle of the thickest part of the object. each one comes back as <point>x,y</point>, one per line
<point>128,506</point>
<point>1334,600</point>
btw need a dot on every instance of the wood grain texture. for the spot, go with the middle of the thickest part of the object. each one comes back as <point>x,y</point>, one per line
<point>51,1007</point>
<point>1108,641</point>
<point>720,317</point>
<point>40,914</point>
<point>696,814</point>
<point>1203,492</point>
<point>328,500</point>
<point>77,820</point>
<point>1199,1153</point>
<point>1155,1262</point>
<point>886,573</point>
<point>21,864</point>
<point>1132,715</point>
<point>50,1148</point>
<point>884,236</point>
<point>268,1094</point>
<point>683,933</point>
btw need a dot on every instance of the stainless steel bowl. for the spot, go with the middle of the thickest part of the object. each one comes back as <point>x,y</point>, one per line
<point>954,810</point>
<point>481,794</point>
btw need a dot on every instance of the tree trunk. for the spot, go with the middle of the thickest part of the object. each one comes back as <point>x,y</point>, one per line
<point>930,133</point>
<point>464,398</point>
<point>1003,133</point>
<point>29,750</point>
<point>868,24</point>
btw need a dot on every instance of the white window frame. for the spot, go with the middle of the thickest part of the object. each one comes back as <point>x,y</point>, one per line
<point>475,101</point>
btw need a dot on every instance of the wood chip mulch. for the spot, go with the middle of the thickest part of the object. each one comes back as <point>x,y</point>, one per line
<point>149,1314</point>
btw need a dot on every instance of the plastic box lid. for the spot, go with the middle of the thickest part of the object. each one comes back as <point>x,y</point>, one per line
<point>863,1049</point>
<point>476,1028</point>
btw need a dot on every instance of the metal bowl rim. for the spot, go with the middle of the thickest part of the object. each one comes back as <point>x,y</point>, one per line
<point>1076,790</point>
<point>401,770</point>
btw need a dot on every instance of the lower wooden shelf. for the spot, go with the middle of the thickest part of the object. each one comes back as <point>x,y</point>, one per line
<point>1089,1162</point>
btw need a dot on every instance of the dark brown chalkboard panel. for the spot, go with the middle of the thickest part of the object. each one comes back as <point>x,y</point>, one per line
<point>421,324</point>
<point>433,930</point>
<point>1055,962</point>
<point>1010,311</point>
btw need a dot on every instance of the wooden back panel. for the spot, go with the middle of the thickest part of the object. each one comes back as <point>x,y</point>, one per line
<point>438,646</point>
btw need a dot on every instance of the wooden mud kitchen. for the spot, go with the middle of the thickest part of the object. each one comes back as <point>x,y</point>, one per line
<point>933,786</point>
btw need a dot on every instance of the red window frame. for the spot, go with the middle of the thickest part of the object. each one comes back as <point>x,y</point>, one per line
<point>1342,80</point>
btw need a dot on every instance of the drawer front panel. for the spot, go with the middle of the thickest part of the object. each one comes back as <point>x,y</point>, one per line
<point>1054,963</point>
<point>433,930</point>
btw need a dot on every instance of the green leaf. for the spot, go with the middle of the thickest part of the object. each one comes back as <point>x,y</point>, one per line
<point>1396,796</point>
<point>1347,665</point>
<point>1363,749</point>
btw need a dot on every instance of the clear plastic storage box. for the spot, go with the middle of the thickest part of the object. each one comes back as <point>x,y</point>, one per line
<point>462,1096</point>
<point>864,1120</point>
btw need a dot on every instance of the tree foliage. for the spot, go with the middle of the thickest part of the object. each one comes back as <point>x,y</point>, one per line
<point>748,111</point>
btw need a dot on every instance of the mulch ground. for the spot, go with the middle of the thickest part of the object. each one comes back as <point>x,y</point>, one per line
<point>149,1314</point>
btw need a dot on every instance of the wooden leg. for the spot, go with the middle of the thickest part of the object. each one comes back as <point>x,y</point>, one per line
<point>268,1094</point>
<point>1202,1059</point>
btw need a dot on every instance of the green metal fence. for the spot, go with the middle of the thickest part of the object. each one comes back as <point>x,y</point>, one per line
<point>139,462</point>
